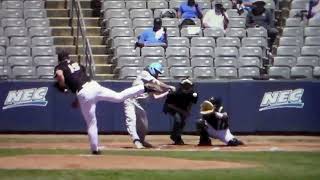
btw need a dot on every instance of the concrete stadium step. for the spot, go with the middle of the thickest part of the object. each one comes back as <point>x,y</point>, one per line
<point>69,40</point>
<point>65,13</point>
<point>66,31</point>
<point>64,4</point>
<point>96,49</point>
<point>98,58</point>
<point>64,21</point>
<point>104,76</point>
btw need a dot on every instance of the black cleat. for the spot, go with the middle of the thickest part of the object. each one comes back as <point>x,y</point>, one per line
<point>235,142</point>
<point>205,142</point>
<point>98,152</point>
<point>151,87</point>
<point>177,140</point>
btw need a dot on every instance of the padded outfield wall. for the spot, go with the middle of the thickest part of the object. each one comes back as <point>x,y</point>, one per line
<point>254,106</point>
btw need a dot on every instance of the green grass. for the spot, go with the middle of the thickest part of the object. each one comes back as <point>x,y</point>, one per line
<point>272,165</point>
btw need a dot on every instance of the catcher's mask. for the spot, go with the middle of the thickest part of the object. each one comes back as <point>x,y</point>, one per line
<point>207,107</point>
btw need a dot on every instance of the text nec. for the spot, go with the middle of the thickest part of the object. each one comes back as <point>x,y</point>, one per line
<point>26,95</point>
<point>282,97</point>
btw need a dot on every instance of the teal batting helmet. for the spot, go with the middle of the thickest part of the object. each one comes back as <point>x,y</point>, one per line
<point>155,69</point>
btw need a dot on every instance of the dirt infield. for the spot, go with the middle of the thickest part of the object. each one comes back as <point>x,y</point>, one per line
<point>111,162</point>
<point>117,142</point>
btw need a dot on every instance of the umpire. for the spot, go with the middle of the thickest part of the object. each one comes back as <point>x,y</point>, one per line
<point>178,105</point>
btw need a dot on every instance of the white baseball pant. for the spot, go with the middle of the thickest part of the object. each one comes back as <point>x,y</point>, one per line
<point>90,94</point>
<point>136,119</point>
<point>223,135</point>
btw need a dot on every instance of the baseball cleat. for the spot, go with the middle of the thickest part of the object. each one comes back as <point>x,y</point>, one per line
<point>205,142</point>
<point>151,87</point>
<point>96,152</point>
<point>138,145</point>
<point>146,144</point>
<point>235,142</point>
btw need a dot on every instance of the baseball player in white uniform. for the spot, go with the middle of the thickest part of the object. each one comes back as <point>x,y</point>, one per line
<point>136,116</point>
<point>71,75</point>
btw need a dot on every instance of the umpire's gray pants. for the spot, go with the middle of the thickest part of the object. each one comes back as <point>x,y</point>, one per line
<point>136,119</point>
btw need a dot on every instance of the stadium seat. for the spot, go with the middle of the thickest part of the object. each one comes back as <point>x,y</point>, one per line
<point>312,31</point>
<point>23,72</point>
<point>316,72</point>
<point>113,5</point>
<point>298,72</point>
<point>257,32</point>
<point>175,4</point>
<point>291,41</point>
<point>141,13</point>
<point>127,51</point>
<point>288,51</point>
<point>178,42</point>
<point>121,32</point>
<point>287,61</point>
<point>279,72</point>
<point>4,41</point>
<point>211,32</point>
<point>12,13</point>
<point>119,22</point>
<point>12,4</point>
<point>157,4</point>
<point>294,22</point>
<point>33,4</point>
<point>15,31</point>
<point>314,22</point>
<point>254,42</point>
<point>292,32</point>
<point>186,33</point>
<point>152,51</point>
<point>1,31</point>
<point>170,22</point>
<point>228,42</point>
<point>237,23</point>
<point>203,42</point>
<point>250,52</point>
<point>236,32</point>
<point>42,41</point>
<point>123,41</point>
<point>45,72</point>
<point>311,61</point>
<point>138,31</point>
<point>310,50</point>
<point>129,72</point>
<point>20,41</point>
<point>226,52</point>
<point>178,61</point>
<point>149,60</point>
<point>142,22</point>
<point>180,72</point>
<point>35,13</point>
<point>249,62</point>
<point>226,4</point>
<point>43,51</point>
<point>13,22</point>
<point>2,51</point>
<point>173,32</point>
<point>203,73</point>
<point>233,13</point>
<point>39,31</point>
<point>201,61</point>
<point>45,61</point>
<point>136,4</point>
<point>204,4</point>
<point>225,62</point>
<point>202,52</point>
<point>299,4</point>
<point>226,72</point>
<point>3,61</point>
<point>115,13</point>
<point>177,51</point>
<point>249,72</point>
<point>20,61</point>
<point>129,61</point>
<point>37,22</point>
<point>312,41</point>
<point>18,51</point>
<point>5,72</point>
<point>158,12</point>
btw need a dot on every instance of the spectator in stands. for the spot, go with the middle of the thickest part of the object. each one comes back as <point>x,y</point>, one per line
<point>313,8</point>
<point>262,17</point>
<point>242,5</point>
<point>217,17</point>
<point>189,11</point>
<point>156,36</point>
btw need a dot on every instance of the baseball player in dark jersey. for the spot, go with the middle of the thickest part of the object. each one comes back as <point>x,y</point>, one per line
<point>71,75</point>
<point>178,105</point>
<point>215,124</point>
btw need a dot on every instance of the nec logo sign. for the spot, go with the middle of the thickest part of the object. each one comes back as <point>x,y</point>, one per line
<point>26,97</point>
<point>282,99</point>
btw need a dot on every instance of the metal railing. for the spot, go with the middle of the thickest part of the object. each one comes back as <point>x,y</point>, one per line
<point>81,31</point>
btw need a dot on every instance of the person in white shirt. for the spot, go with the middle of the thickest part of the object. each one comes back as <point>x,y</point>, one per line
<point>216,18</point>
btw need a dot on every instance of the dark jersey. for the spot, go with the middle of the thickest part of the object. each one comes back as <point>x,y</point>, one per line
<point>179,99</point>
<point>216,122</point>
<point>74,74</point>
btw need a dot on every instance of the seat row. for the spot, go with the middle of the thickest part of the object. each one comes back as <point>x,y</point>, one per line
<point>27,51</point>
<point>26,41</point>
<point>24,31</point>
<point>26,72</point>
<point>27,4</point>
<point>20,13</point>
<point>28,61</point>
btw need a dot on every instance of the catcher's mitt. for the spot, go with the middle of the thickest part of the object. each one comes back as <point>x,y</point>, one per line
<point>206,108</point>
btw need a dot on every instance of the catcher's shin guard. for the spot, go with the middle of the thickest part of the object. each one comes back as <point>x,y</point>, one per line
<point>204,136</point>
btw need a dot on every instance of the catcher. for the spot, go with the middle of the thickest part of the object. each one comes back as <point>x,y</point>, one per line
<point>178,105</point>
<point>215,124</point>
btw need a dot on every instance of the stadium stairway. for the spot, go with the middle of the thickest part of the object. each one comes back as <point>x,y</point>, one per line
<point>58,14</point>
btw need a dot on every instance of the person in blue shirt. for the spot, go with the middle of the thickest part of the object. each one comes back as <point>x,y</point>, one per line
<point>156,36</point>
<point>188,11</point>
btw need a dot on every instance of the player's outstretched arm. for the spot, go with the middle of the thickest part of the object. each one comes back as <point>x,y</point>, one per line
<point>161,95</point>
<point>60,81</point>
